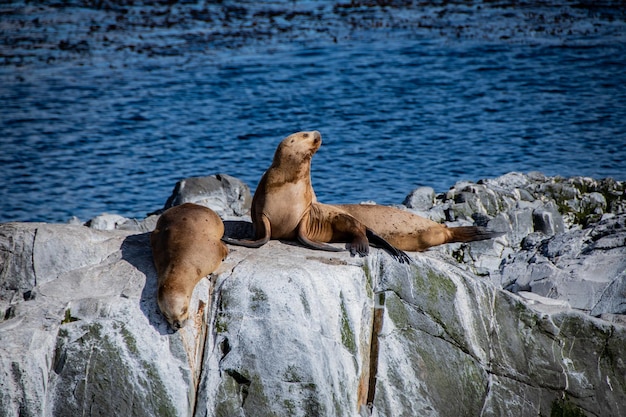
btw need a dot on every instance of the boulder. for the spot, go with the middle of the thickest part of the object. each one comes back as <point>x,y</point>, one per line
<point>421,198</point>
<point>226,195</point>
<point>80,333</point>
<point>286,330</point>
<point>585,267</point>
<point>564,237</point>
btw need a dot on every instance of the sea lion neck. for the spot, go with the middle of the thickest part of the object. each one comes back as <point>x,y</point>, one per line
<point>292,167</point>
<point>285,172</point>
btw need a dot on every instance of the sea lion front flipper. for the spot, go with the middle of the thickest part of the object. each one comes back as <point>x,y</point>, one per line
<point>265,230</point>
<point>397,254</point>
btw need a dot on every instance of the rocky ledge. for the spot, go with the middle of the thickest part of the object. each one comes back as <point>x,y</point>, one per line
<point>528,324</point>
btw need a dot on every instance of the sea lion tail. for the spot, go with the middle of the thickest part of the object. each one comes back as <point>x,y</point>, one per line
<point>471,234</point>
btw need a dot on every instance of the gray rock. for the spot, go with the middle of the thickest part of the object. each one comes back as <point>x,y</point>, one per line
<point>145,225</point>
<point>421,198</point>
<point>106,221</point>
<point>529,208</point>
<point>226,195</point>
<point>89,331</point>
<point>229,197</point>
<point>548,220</point>
<point>584,267</point>
<point>285,330</point>
<point>440,354</point>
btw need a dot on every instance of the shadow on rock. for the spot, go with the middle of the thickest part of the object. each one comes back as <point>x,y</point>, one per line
<point>136,251</point>
<point>238,229</point>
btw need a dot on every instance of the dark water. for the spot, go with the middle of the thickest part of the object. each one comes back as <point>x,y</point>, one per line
<point>105,105</point>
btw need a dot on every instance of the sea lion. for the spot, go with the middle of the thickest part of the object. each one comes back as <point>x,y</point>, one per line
<point>410,232</point>
<point>186,246</point>
<point>284,206</point>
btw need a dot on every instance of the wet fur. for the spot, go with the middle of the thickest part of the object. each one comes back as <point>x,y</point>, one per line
<point>186,247</point>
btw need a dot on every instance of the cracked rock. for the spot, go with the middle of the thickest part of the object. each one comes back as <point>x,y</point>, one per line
<point>285,330</point>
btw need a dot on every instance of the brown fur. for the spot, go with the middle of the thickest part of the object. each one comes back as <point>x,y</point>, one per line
<point>410,232</point>
<point>186,247</point>
<point>284,205</point>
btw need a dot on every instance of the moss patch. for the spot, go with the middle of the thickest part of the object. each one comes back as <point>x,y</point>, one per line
<point>258,300</point>
<point>347,334</point>
<point>68,317</point>
<point>94,366</point>
<point>564,408</point>
<point>369,281</point>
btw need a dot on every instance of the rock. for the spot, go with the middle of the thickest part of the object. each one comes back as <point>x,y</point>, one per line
<point>226,195</point>
<point>74,220</point>
<point>88,331</point>
<point>106,221</point>
<point>548,220</point>
<point>146,225</point>
<point>453,345</point>
<point>285,330</point>
<point>584,267</point>
<point>421,198</point>
<point>531,208</point>
<point>113,221</point>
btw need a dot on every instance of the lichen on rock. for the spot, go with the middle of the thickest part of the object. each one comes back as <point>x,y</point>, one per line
<point>286,331</point>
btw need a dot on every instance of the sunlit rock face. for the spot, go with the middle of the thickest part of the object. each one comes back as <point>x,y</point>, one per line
<point>286,330</point>
<point>565,237</point>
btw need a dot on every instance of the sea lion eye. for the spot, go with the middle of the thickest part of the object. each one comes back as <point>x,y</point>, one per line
<point>306,135</point>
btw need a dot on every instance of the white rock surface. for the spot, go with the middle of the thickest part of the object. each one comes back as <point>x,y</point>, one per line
<point>288,331</point>
<point>284,330</point>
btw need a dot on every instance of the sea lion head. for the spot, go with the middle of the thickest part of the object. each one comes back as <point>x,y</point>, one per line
<point>298,147</point>
<point>174,304</point>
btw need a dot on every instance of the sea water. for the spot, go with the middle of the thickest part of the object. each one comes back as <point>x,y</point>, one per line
<point>105,105</point>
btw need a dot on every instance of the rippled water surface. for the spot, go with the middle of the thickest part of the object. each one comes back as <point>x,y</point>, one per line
<point>105,105</point>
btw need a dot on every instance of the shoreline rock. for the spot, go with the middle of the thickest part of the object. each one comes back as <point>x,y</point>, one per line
<point>284,330</point>
<point>535,211</point>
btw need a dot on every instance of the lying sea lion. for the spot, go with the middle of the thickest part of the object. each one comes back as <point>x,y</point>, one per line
<point>284,206</point>
<point>186,247</point>
<point>410,232</point>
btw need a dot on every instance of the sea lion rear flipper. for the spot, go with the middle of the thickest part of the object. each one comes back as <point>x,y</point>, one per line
<point>397,254</point>
<point>471,234</point>
<point>265,230</point>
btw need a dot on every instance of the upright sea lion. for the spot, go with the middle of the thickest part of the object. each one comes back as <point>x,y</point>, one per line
<point>186,246</point>
<point>410,232</point>
<point>284,205</point>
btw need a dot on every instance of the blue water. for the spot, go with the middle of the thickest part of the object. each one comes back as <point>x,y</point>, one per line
<point>103,109</point>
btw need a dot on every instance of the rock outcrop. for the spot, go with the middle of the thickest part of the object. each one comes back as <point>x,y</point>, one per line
<point>285,330</point>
